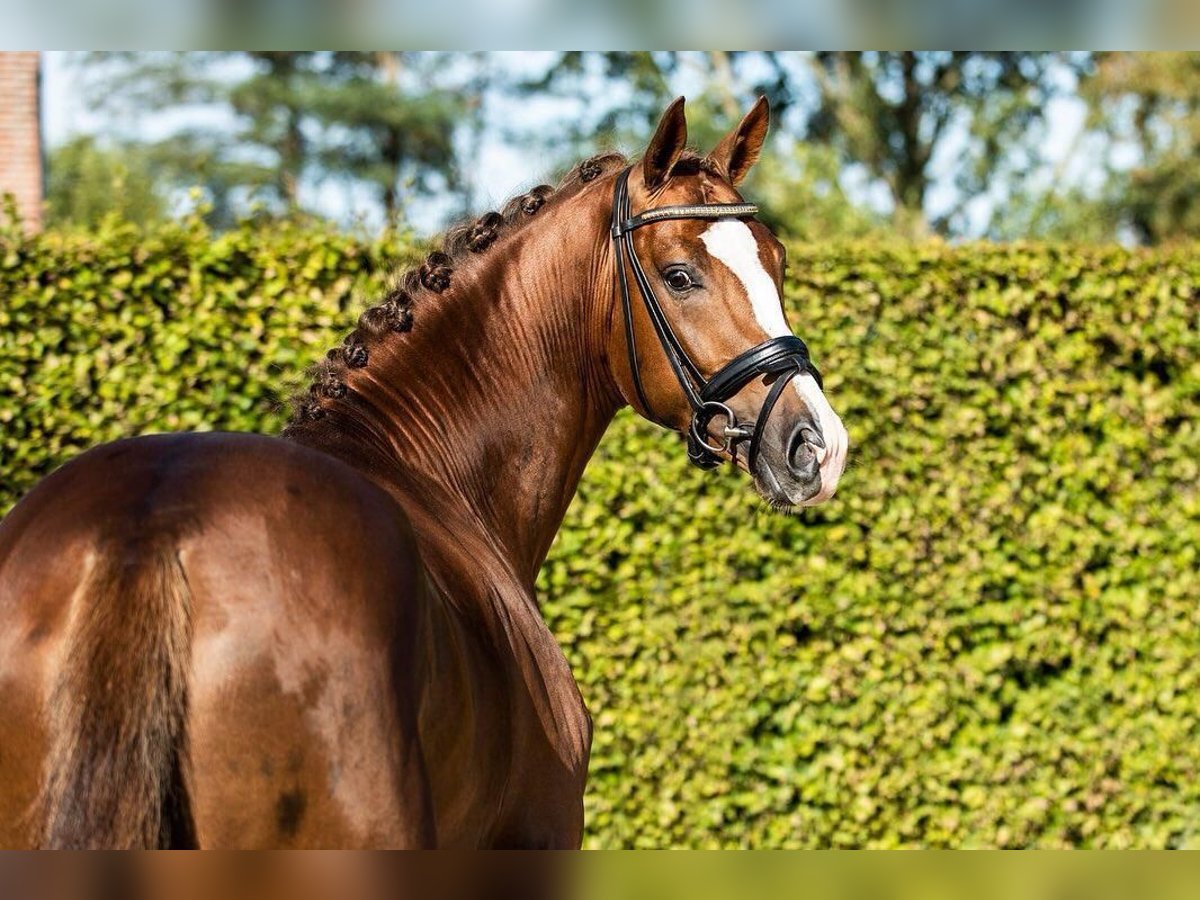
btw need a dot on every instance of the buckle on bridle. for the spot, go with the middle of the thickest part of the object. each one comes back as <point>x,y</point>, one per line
<point>732,432</point>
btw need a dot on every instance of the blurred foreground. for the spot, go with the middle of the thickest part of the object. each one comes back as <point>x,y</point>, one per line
<point>596,876</point>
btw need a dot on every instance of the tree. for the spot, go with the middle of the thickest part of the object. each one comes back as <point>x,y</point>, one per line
<point>801,195</point>
<point>894,113</point>
<point>912,124</point>
<point>618,96</point>
<point>87,181</point>
<point>1149,103</point>
<point>274,121</point>
<point>381,134</point>
<point>615,96</point>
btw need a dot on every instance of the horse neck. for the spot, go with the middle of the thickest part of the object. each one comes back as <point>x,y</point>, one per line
<point>493,404</point>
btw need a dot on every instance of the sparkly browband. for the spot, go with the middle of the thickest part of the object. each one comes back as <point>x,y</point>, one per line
<point>705,211</point>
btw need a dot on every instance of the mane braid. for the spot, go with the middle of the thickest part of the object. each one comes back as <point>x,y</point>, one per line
<point>394,315</point>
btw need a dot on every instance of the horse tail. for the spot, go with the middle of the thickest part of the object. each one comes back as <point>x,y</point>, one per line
<point>114,773</point>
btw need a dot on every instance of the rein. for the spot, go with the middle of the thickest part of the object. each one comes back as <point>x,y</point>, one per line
<point>784,357</point>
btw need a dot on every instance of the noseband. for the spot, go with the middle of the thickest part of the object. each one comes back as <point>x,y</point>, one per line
<point>784,357</point>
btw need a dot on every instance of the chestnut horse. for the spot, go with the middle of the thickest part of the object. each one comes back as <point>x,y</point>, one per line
<point>331,638</point>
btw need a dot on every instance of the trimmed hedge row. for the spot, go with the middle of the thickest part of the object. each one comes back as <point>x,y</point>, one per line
<point>991,637</point>
<point>116,333</point>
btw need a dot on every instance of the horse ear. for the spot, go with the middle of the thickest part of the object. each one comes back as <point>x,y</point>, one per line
<point>666,146</point>
<point>739,150</point>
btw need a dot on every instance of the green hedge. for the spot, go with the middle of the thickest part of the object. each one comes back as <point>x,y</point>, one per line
<point>991,637</point>
<point>112,334</point>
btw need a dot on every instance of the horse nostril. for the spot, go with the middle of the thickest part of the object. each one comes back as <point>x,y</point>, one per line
<point>812,436</point>
<point>802,453</point>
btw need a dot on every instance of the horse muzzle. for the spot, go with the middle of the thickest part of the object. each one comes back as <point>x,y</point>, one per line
<point>803,450</point>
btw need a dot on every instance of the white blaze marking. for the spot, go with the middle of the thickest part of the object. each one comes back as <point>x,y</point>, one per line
<point>733,243</point>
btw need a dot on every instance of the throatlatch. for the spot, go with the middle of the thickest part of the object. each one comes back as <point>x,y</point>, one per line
<point>784,357</point>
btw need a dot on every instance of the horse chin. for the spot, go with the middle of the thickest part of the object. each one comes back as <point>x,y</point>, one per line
<point>779,493</point>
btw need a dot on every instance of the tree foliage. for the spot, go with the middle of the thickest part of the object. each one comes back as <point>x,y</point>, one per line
<point>87,181</point>
<point>379,119</point>
<point>953,143</point>
<point>802,196</point>
<point>1151,102</point>
<point>799,186</point>
<point>896,113</point>
<point>902,118</point>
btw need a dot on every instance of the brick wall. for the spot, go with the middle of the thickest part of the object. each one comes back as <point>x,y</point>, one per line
<point>20,134</point>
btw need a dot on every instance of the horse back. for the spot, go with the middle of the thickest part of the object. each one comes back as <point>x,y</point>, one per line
<point>264,598</point>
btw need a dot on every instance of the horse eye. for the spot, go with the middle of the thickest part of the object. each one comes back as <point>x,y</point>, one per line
<point>679,280</point>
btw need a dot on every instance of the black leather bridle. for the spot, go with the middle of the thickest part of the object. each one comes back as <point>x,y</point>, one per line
<point>784,357</point>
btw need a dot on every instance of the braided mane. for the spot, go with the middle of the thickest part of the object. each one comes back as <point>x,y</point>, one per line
<point>396,313</point>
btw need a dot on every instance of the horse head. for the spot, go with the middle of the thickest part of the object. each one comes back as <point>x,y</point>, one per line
<point>699,340</point>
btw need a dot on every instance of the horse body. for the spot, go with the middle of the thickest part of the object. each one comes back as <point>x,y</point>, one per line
<point>364,663</point>
<point>332,695</point>
<point>332,638</point>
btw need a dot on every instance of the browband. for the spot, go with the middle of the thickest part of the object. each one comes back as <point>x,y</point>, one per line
<point>702,211</point>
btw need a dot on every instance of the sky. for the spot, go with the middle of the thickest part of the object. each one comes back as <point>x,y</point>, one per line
<point>503,169</point>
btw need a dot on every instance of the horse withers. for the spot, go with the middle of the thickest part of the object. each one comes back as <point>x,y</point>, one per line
<point>330,638</point>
